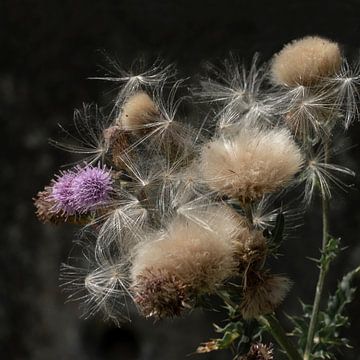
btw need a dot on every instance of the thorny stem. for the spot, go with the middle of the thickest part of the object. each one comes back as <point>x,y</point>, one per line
<point>323,267</point>
<point>277,331</point>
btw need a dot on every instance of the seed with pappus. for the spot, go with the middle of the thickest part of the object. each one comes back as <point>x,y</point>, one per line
<point>306,61</point>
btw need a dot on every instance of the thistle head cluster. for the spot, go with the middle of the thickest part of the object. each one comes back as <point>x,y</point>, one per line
<point>176,206</point>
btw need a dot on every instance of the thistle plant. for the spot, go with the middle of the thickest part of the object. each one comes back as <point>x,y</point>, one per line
<point>182,212</point>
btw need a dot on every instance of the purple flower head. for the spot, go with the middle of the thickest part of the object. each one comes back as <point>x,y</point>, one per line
<point>91,187</point>
<point>62,193</point>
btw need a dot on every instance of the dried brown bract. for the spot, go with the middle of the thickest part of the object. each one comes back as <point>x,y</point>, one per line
<point>160,294</point>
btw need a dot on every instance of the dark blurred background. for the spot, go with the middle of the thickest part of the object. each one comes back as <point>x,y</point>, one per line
<point>48,49</point>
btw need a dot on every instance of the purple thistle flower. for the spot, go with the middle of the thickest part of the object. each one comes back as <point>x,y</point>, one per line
<point>62,193</point>
<point>91,187</point>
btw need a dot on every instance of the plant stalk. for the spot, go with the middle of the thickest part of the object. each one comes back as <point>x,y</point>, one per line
<point>279,334</point>
<point>323,267</point>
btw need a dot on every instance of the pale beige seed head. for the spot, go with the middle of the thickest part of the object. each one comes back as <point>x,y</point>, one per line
<point>198,256</point>
<point>263,293</point>
<point>253,163</point>
<point>305,61</point>
<point>138,111</point>
<point>249,245</point>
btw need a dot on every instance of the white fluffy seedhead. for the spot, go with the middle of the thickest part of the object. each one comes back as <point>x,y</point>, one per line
<point>252,163</point>
<point>306,61</point>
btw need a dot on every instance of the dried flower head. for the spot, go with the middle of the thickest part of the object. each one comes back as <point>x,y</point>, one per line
<point>306,61</point>
<point>160,294</point>
<point>252,163</point>
<point>138,112</point>
<point>196,255</point>
<point>263,293</point>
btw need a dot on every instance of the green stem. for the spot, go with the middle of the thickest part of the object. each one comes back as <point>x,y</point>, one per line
<point>248,213</point>
<point>323,268</point>
<point>279,334</point>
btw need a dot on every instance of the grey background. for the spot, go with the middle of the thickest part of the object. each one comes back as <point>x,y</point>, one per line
<point>48,49</point>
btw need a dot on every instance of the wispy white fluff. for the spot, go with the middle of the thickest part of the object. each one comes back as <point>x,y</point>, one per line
<point>100,283</point>
<point>87,139</point>
<point>345,85</point>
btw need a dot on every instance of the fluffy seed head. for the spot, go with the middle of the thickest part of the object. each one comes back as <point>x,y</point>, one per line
<point>160,294</point>
<point>138,111</point>
<point>263,293</point>
<point>253,163</point>
<point>199,257</point>
<point>306,61</point>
